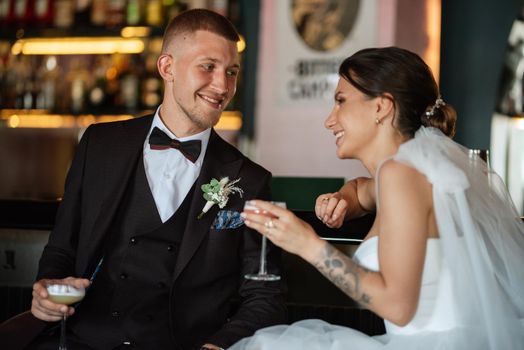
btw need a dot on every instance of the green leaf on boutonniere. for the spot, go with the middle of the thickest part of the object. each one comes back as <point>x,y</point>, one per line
<point>217,192</point>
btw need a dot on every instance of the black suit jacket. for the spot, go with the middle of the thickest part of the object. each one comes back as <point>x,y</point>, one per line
<point>208,275</point>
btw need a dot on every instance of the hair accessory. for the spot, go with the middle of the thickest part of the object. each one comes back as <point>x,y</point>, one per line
<point>439,102</point>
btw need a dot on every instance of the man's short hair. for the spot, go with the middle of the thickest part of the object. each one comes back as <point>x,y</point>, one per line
<point>188,22</point>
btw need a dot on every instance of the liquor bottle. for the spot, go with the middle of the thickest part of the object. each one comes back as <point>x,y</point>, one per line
<point>44,13</point>
<point>151,85</point>
<point>114,66</point>
<point>77,79</point>
<point>171,8</point>
<point>129,97</point>
<point>48,74</point>
<point>98,13</point>
<point>22,70</point>
<point>64,13</point>
<point>154,13</point>
<point>5,11</point>
<point>135,12</point>
<point>116,10</point>
<point>8,10</point>
<point>83,13</point>
<point>28,96</point>
<point>27,78</point>
<point>40,98</point>
<point>39,95</point>
<point>97,93</point>
<point>3,71</point>
<point>22,13</point>
<point>10,81</point>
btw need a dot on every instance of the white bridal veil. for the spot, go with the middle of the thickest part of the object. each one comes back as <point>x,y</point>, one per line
<point>481,233</point>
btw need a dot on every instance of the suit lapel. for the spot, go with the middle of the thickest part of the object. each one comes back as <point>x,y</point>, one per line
<point>125,154</point>
<point>219,162</point>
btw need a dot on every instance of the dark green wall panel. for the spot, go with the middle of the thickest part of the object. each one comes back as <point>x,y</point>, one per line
<point>474,36</point>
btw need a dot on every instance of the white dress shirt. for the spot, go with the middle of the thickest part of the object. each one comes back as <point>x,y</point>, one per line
<point>169,173</point>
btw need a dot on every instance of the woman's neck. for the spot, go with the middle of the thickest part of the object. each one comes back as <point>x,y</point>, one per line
<point>383,148</point>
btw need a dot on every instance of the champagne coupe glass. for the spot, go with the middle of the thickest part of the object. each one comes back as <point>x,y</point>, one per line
<point>262,274</point>
<point>67,295</point>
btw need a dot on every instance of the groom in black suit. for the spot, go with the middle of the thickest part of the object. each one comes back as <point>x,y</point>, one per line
<point>169,275</point>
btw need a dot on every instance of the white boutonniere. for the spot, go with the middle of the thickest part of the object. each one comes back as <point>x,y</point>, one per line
<point>217,192</point>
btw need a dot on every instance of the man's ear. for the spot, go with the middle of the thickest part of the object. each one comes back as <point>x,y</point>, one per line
<point>165,67</point>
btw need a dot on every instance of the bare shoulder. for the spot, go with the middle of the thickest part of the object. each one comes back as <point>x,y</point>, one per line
<point>406,205</point>
<point>399,179</point>
<point>393,171</point>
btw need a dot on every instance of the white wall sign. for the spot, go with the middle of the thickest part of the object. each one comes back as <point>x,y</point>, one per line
<point>302,43</point>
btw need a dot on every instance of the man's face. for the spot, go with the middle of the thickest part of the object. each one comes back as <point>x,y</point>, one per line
<point>205,70</point>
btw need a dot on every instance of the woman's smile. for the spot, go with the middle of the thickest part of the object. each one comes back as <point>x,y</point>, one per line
<point>338,137</point>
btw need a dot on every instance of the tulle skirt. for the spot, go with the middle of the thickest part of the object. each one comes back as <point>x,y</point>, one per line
<point>320,335</point>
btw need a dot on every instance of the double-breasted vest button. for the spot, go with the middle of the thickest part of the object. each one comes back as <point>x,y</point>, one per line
<point>149,317</point>
<point>170,248</point>
<point>115,313</point>
<point>133,240</point>
<point>161,285</point>
<point>123,276</point>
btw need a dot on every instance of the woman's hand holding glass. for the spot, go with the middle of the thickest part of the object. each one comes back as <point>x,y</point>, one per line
<point>284,229</point>
<point>331,209</point>
<point>262,274</point>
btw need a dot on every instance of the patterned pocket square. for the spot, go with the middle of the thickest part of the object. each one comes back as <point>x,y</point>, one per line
<point>227,219</point>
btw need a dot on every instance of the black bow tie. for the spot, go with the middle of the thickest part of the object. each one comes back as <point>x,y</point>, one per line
<point>160,140</point>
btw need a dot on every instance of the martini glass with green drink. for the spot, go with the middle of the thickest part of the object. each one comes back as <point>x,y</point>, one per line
<point>67,295</point>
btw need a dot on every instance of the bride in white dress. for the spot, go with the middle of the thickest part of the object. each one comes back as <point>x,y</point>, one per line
<point>443,263</point>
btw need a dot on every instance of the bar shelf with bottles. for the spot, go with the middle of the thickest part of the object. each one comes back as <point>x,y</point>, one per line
<point>46,83</point>
<point>95,15</point>
<point>60,18</point>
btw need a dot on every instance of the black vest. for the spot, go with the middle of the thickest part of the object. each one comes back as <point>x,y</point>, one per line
<point>129,299</point>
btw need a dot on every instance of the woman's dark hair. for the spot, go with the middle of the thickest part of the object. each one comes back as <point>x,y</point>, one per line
<point>405,76</point>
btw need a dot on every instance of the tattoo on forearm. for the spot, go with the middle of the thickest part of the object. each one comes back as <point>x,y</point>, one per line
<point>344,273</point>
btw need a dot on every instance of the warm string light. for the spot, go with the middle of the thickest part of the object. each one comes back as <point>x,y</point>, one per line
<point>129,43</point>
<point>77,46</point>
<point>230,120</point>
<point>135,32</point>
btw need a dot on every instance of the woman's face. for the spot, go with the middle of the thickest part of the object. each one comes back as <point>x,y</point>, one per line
<point>352,120</point>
